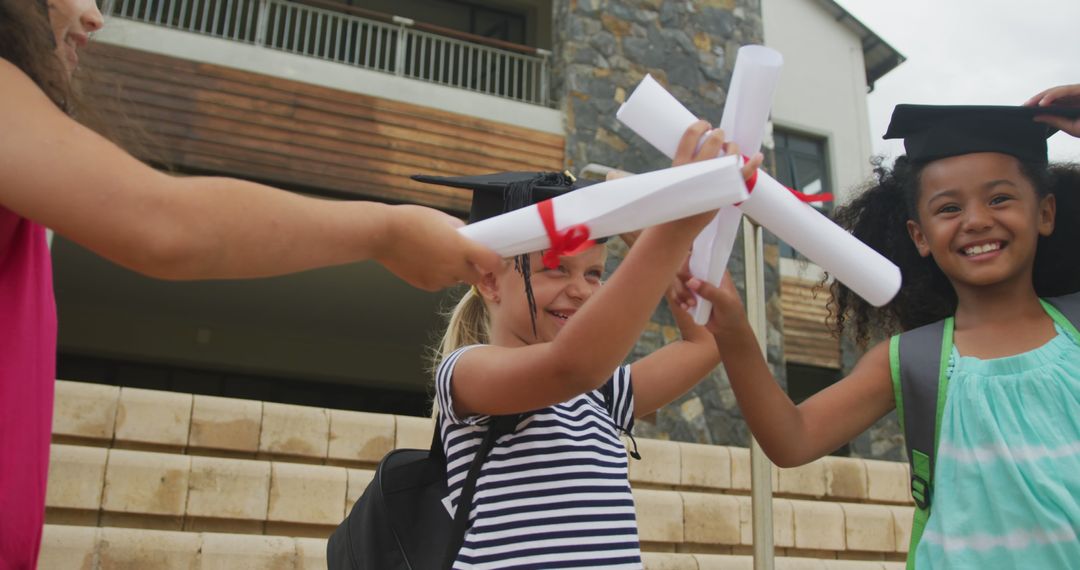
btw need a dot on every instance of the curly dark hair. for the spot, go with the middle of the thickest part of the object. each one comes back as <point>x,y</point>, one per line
<point>26,40</point>
<point>878,216</point>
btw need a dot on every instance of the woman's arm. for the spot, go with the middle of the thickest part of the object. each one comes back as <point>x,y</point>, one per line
<point>60,174</point>
<point>793,435</point>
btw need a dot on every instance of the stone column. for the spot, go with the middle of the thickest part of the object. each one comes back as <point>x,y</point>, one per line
<point>603,49</point>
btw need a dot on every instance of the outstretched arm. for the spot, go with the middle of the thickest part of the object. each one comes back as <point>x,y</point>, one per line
<point>1062,95</point>
<point>661,377</point>
<point>506,380</point>
<point>793,435</point>
<point>64,176</point>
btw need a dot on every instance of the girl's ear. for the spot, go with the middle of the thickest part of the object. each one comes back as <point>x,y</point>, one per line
<point>918,238</point>
<point>1047,214</point>
<point>488,287</point>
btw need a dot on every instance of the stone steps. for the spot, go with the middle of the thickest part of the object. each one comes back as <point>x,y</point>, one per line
<point>93,548</point>
<point>66,547</point>
<point>200,466</point>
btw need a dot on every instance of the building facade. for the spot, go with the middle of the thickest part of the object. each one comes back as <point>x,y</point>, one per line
<point>345,100</point>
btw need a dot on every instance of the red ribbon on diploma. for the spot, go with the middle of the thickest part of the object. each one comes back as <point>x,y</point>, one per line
<point>803,197</point>
<point>571,241</point>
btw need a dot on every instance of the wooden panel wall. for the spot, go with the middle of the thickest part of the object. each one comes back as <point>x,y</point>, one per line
<point>209,118</point>
<point>807,337</point>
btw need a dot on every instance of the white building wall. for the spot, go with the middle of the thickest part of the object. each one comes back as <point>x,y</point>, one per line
<point>822,88</point>
<point>822,92</point>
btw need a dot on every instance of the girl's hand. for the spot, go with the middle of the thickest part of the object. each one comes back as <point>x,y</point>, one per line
<point>751,165</point>
<point>679,295</point>
<point>693,148</point>
<point>727,316</point>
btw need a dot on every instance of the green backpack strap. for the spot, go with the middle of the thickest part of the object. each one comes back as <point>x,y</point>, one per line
<point>920,384</point>
<point>1065,311</point>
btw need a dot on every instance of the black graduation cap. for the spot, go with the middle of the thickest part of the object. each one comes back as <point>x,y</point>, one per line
<point>501,192</point>
<point>931,132</point>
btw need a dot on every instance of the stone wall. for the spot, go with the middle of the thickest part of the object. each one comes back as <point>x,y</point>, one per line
<point>603,49</point>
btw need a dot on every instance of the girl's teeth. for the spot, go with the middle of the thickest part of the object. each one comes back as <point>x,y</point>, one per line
<point>978,249</point>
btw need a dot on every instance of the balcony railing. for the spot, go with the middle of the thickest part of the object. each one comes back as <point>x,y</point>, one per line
<point>399,46</point>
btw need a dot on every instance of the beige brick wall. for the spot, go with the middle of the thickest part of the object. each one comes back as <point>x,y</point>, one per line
<point>204,466</point>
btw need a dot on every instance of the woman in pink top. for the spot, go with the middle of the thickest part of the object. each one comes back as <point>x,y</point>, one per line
<point>56,173</point>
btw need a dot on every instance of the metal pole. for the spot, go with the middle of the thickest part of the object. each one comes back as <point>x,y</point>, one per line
<point>760,466</point>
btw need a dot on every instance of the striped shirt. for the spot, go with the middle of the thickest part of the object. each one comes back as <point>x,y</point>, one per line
<point>555,492</point>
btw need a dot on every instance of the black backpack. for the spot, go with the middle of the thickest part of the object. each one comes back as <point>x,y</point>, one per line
<point>400,523</point>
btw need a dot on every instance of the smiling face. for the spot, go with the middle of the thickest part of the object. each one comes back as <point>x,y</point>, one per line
<point>72,23</point>
<point>559,294</point>
<point>980,218</point>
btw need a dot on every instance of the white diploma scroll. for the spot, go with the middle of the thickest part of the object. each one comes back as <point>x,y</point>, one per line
<point>852,262</point>
<point>618,206</point>
<point>746,112</point>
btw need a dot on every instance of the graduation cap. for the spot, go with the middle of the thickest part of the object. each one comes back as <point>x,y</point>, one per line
<point>931,132</point>
<point>502,192</point>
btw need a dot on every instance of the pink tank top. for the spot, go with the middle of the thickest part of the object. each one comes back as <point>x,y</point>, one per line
<point>27,374</point>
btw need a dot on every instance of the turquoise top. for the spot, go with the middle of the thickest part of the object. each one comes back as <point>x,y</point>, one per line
<point>1007,474</point>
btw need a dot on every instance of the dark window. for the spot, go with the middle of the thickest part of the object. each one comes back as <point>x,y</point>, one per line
<point>298,391</point>
<point>486,21</point>
<point>804,381</point>
<point>800,162</point>
<point>497,24</point>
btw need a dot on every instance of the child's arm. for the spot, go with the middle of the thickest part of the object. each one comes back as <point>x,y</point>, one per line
<point>661,377</point>
<point>64,176</point>
<point>793,435</point>
<point>505,380</point>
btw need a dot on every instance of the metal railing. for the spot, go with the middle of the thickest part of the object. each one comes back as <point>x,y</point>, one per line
<point>393,47</point>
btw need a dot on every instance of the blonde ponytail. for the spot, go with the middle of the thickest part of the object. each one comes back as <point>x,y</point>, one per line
<point>468,323</point>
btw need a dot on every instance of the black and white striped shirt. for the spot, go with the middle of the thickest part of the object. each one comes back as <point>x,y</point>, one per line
<point>553,494</point>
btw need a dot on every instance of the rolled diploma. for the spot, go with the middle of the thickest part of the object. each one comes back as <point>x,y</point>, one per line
<point>746,112</point>
<point>656,116</point>
<point>618,206</point>
<point>866,272</point>
<point>660,119</point>
<point>852,262</point>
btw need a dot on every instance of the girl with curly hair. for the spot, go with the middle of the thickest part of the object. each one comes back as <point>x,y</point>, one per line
<point>984,231</point>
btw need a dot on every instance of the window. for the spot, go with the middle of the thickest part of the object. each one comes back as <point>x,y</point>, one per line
<point>804,381</point>
<point>497,24</point>
<point>506,24</point>
<point>800,162</point>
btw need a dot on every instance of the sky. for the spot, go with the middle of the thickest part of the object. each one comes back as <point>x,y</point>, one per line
<point>972,52</point>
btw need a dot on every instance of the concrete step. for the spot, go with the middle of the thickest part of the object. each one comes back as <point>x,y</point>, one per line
<point>91,548</point>
<point>200,466</point>
<point>169,491</point>
<point>131,418</point>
